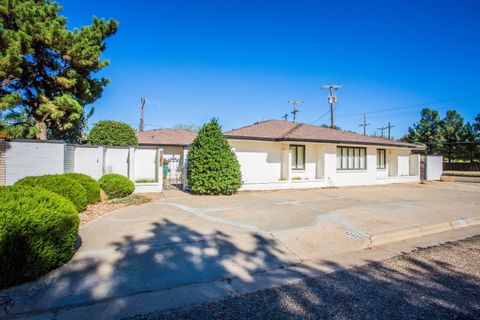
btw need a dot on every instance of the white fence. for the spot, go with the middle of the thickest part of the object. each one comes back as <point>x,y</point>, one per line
<point>21,158</point>
<point>434,167</point>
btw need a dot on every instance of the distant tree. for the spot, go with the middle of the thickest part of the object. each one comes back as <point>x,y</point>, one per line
<point>328,126</point>
<point>47,70</point>
<point>476,125</point>
<point>470,149</point>
<point>187,126</point>
<point>428,131</point>
<point>453,132</point>
<point>472,139</point>
<point>212,166</point>
<point>112,133</point>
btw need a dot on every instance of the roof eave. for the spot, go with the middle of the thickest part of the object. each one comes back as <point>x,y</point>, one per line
<point>386,144</point>
<point>164,144</point>
<point>324,141</point>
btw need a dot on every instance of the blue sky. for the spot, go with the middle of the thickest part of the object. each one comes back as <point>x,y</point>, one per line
<point>241,61</point>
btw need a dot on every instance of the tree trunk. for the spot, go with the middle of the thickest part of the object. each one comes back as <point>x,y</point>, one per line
<point>42,130</point>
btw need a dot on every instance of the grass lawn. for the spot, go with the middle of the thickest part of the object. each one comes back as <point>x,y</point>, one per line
<point>462,173</point>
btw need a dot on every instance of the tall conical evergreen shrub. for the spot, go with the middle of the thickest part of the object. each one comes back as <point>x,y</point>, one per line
<point>212,166</point>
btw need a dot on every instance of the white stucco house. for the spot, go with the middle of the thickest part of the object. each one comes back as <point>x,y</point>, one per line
<point>277,154</point>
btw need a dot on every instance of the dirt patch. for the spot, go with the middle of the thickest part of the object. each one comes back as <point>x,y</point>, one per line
<point>96,210</point>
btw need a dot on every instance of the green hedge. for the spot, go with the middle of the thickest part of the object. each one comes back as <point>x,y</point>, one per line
<point>91,186</point>
<point>38,231</point>
<point>60,184</point>
<point>116,185</point>
<point>112,133</point>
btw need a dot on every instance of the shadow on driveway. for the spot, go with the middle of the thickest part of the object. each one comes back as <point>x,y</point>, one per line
<point>171,257</point>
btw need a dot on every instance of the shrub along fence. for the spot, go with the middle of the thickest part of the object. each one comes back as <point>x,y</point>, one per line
<point>21,158</point>
<point>461,166</point>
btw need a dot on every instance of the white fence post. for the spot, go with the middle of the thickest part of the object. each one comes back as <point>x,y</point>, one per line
<point>101,160</point>
<point>131,164</point>
<point>185,165</point>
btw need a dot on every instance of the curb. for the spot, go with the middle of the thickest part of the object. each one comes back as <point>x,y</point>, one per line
<point>415,231</point>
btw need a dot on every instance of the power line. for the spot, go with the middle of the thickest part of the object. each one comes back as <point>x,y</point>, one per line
<point>142,118</point>
<point>382,129</point>
<point>364,124</point>
<point>320,118</point>
<point>408,106</point>
<point>331,99</point>
<point>389,127</point>
<point>295,110</point>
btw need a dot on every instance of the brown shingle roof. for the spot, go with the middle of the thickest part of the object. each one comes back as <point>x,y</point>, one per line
<point>278,130</point>
<point>166,137</point>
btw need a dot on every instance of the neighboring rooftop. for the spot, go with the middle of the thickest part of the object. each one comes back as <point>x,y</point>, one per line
<point>280,130</point>
<point>166,137</point>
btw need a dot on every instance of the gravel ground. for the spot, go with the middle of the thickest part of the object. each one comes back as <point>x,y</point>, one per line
<point>441,282</point>
<point>104,207</point>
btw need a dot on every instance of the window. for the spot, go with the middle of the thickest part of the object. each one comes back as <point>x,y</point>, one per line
<point>351,158</point>
<point>381,158</point>
<point>298,157</point>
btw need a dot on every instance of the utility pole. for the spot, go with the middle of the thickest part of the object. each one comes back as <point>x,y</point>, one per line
<point>295,110</point>
<point>364,125</point>
<point>382,130</point>
<point>142,119</point>
<point>332,99</point>
<point>285,117</point>
<point>389,127</point>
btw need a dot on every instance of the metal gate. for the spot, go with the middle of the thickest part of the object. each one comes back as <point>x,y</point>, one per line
<point>174,176</point>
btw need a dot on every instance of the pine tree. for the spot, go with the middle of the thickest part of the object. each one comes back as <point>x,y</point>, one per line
<point>470,150</point>
<point>453,132</point>
<point>46,70</point>
<point>472,137</point>
<point>428,131</point>
<point>212,166</point>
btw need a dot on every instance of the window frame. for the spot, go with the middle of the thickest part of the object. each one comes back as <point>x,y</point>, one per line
<point>384,164</point>
<point>345,158</point>
<point>294,148</point>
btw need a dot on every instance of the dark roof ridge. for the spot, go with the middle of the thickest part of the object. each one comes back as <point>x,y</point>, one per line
<point>158,129</point>
<point>289,132</point>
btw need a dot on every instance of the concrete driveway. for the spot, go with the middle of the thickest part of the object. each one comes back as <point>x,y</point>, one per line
<point>189,249</point>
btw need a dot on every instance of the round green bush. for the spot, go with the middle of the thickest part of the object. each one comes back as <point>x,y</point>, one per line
<point>116,185</point>
<point>38,231</point>
<point>91,186</point>
<point>112,133</point>
<point>60,184</point>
